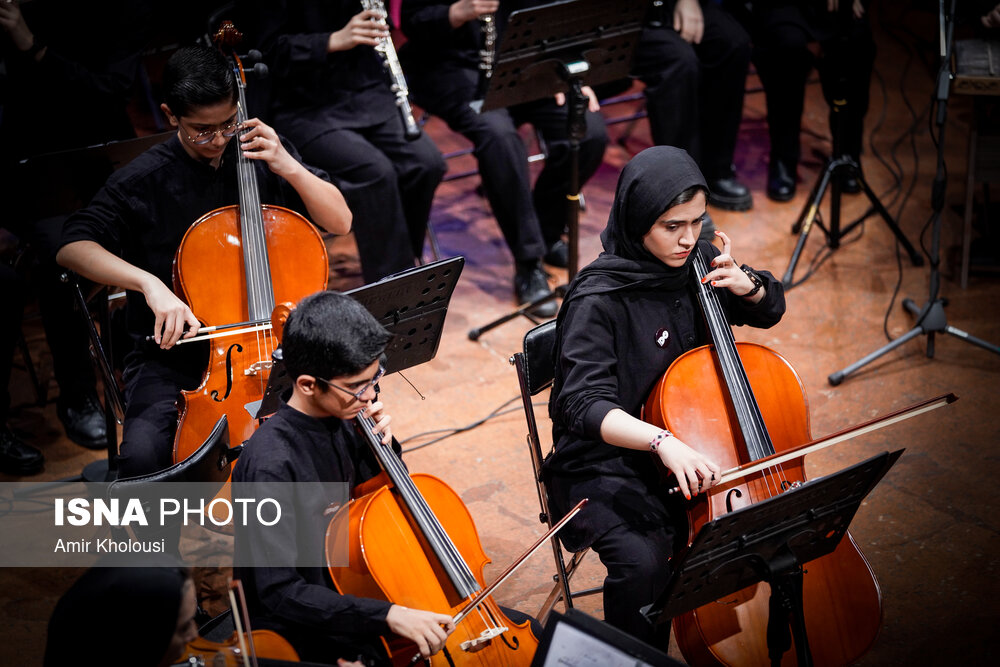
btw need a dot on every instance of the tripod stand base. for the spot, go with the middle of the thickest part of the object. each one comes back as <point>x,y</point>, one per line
<point>931,320</point>
<point>524,310</point>
<point>835,170</point>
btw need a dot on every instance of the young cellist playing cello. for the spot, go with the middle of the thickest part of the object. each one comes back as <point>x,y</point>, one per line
<point>129,233</point>
<point>332,348</point>
<point>626,317</point>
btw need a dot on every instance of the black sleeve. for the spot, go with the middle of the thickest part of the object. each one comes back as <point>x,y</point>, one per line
<point>589,388</point>
<point>285,194</point>
<point>285,593</point>
<point>103,221</point>
<point>426,21</point>
<point>287,52</point>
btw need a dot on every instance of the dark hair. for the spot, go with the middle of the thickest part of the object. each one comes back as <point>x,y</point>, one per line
<point>197,76</point>
<point>331,335</point>
<point>687,195</point>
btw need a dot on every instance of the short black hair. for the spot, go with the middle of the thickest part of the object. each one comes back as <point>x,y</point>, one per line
<point>197,76</point>
<point>331,335</point>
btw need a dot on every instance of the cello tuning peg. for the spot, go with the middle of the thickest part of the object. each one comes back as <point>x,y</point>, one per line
<point>260,70</point>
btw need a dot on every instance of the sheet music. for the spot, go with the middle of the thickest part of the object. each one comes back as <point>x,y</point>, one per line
<point>572,648</point>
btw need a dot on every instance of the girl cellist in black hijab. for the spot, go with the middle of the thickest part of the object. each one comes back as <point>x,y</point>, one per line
<point>625,318</point>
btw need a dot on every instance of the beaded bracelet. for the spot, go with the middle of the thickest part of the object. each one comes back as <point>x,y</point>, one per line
<point>654,444</point>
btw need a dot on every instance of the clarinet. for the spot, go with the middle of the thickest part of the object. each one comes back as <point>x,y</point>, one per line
<point>488,27</point>
<point>398,86</point>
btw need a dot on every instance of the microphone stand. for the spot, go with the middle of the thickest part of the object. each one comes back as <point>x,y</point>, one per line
<point>931,318</point>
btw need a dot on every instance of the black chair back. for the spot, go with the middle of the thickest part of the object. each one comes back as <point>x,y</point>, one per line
<point>535,366</point>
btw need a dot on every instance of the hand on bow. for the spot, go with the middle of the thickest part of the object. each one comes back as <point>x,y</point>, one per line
<point>427,629</point>
<point>171,315</point>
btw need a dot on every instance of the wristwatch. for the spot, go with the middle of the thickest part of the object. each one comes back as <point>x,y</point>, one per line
<point>754,278</point>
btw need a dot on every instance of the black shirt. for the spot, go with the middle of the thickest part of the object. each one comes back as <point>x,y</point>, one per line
<point>294,447</point>
<point>143,211</point>
<point>614,348</point>
<point>315,91</point>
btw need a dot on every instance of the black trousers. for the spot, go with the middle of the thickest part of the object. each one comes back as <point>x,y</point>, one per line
<point>389,185</point>
<point>694,92</point>
<point>152,387</point>
<point>530,220</point>
<point>638,571</point>
<point>781,53</point>
<point>12,305</point>
<point>65,327</point>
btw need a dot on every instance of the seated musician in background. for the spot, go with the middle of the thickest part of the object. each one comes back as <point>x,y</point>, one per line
<point>332,348</point>
<point>693,57</point>
<point>625,319</point>
<point>441,59</point>
<point>130,232</point>
<point>784,36</point>
<point>332,98</point>
<point>141,616</point>
<point>56,56</point>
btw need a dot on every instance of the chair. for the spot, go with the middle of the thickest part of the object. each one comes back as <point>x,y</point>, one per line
<point>210,464</point>
<point>535,367</point>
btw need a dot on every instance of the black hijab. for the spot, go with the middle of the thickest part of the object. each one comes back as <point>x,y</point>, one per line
<point>117,616</point>
<point>648,184</point>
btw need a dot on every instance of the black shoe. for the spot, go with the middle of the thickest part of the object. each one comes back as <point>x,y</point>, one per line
<point>780,181</point>
<point>83,420</point>
<point>531,284</point>
<point>729,194</point>
<point>18,457</point>
<point>557,255</point>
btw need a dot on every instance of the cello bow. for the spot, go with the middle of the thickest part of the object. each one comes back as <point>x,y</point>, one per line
<point>834,438</point>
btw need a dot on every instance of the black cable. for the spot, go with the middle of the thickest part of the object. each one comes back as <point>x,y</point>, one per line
<point>449,432</point>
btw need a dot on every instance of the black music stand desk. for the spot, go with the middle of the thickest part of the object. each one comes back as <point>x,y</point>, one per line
<point>561,48</point>
<point>411,304</point>
<point>771,541</point>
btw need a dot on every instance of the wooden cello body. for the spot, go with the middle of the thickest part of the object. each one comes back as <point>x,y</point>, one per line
<point>410,540</point>
<point>225,279</point>
<point>246,264</point>
<point>738,402</point>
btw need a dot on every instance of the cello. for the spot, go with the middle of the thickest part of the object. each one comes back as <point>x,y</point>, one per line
<point>244,646</point>
<point>240,268</point>
<point>737,403</point>
<point>410,540</point>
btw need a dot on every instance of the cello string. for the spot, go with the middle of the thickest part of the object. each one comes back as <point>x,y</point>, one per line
<point>748,412</point>
<point>450,558</point>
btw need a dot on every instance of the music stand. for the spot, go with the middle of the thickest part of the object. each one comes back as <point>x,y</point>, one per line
<point>411,304</point>
<point>575,638</point>
<point>930,318</point>
<point>771,541</point>
<point>561,48</point>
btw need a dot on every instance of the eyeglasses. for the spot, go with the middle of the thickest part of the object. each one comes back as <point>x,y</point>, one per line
<point>208,136</point>
<point>358,394</point>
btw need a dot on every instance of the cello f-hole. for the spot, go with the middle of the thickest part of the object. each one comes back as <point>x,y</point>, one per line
<point>729,498</point>
<point>229,373</point>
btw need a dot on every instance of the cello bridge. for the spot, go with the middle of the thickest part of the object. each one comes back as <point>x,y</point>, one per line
<point>258,366</point>
<point>483,640</point>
